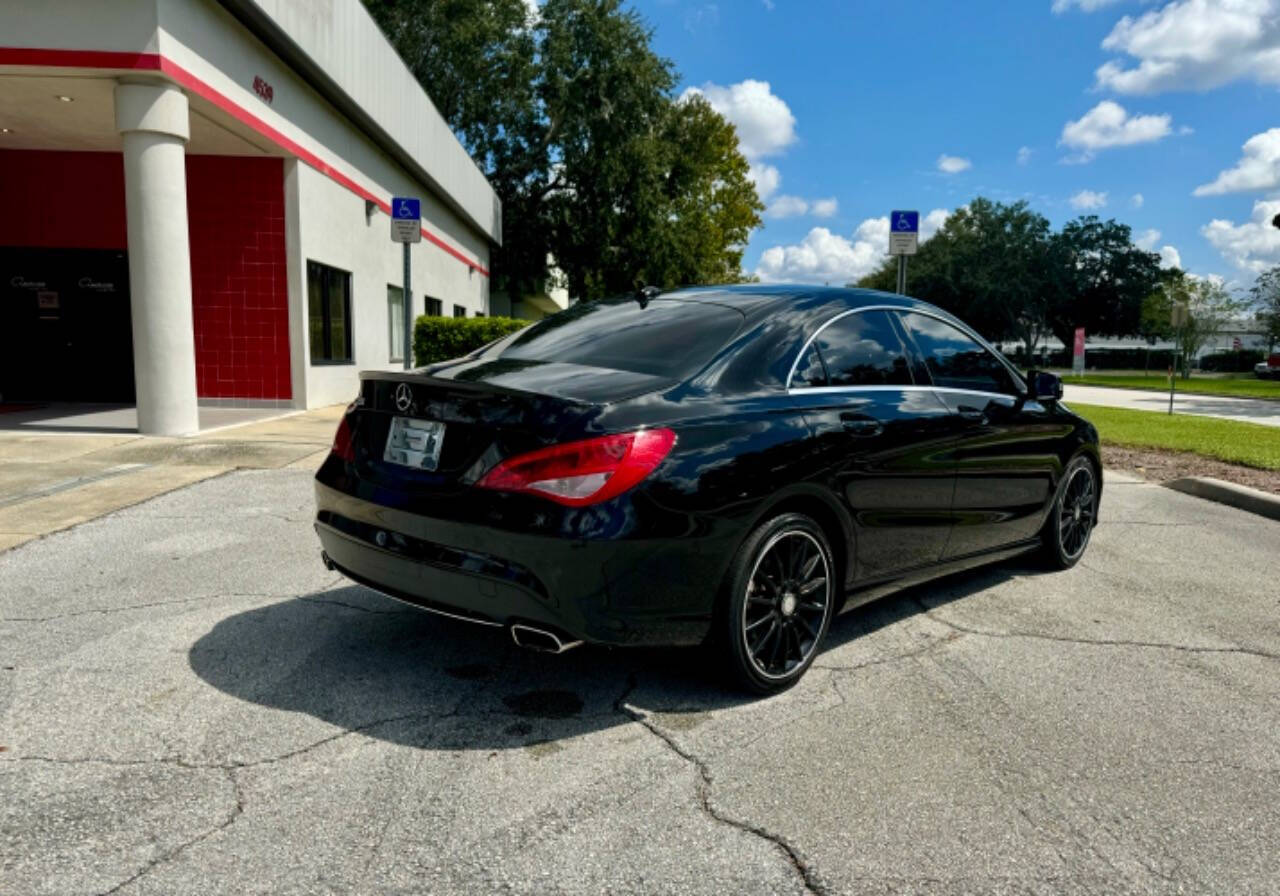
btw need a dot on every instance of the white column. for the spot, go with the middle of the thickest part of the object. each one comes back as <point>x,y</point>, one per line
<point>152,119</point>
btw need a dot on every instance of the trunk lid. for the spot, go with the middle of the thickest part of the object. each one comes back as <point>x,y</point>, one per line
<point>490,410</point>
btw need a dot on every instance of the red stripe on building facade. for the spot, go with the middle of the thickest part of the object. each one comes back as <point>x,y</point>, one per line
<point>103,59</point>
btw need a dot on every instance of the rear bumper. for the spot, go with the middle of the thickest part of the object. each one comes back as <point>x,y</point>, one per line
<point>629,592</point>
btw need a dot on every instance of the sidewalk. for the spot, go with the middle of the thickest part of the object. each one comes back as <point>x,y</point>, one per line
<point>51,481</point>
<point>1248,410</point>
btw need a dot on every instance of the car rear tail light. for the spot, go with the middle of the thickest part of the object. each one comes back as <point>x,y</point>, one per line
<point>576,474</point>
<point>343,439</point>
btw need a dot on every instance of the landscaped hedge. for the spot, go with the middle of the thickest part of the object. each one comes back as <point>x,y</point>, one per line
<point>1230,361</point>
<point>441,338</point>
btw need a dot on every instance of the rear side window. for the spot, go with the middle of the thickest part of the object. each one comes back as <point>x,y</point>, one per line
<point>860,349</point>
<point>956,360</point>
<point>667,338</point>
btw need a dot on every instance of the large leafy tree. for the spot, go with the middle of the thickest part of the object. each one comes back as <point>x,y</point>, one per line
<point>1000,267</point>
<point>571,116</point>
<point>989,265</point>
<point>1266,298</point>
<point>1102,279</point>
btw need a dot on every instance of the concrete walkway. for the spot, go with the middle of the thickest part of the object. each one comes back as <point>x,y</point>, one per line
<point>116,419</point>
<point>1249,410</point>
<point>50,481</point>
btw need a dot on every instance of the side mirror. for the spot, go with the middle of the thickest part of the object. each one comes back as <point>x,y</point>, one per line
<point>1044,386</point>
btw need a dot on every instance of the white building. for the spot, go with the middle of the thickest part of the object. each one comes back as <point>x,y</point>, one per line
<point>194,202</point>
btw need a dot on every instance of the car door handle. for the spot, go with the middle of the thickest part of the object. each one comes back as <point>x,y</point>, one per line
<point>861,425</point>
<point>972,414</point>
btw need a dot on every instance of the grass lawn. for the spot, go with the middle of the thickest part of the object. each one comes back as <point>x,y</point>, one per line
<point>1237,385</point>
<point>1250,444</point>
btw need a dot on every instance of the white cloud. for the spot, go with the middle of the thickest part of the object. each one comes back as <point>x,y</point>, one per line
<point>1169,257</point>
<point>1252,246</point>
<point>793,206</point>
<point>1258,168</point>
<point>826,257</point>
<point>825,208</point>
<point>1146,241</point>
<point>766,178</point>
<point>1061,6</point>
<point>1088,199</point>
<point>1024,155</point>
<point>953,164</point>
<point>1108,124</point>
<point>787,207</point>
<point>700,17</point>
<point>929,224</point>
<point>764,122</point>
<point>1137,200</point>
<point>1195,45</point>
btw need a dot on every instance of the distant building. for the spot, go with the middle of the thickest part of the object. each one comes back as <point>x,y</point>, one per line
<point>1246,329</point>
<point>195,197</point>
<point>551,296</point>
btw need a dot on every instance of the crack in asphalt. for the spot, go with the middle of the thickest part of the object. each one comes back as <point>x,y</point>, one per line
<point>232,817</point>
<point>232,766</point>
<point>339,603</point>
<point>808,877</point>
<point>933,644</point>
<point>1097,642</point>
<point>108,611</point>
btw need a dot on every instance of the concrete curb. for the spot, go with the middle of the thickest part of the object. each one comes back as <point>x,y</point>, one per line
<point>1239,496</point>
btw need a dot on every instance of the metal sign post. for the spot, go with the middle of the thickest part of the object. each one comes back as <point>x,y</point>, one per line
<point>904,239</point>
<point>406,228</point>
<point>1178,317</point>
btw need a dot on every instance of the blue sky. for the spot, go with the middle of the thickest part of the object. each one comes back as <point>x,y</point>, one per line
<point>927,104</point>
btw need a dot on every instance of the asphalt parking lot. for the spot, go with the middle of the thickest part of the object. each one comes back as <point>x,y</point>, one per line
<point>190,703</point>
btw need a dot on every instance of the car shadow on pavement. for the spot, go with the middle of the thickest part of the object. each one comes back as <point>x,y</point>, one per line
<point>357,660</point>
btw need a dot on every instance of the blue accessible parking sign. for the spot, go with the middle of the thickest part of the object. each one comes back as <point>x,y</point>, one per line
<point>406,220</point>
<point>402,207</point>
<point>904,228</point>
<point>904,222</point>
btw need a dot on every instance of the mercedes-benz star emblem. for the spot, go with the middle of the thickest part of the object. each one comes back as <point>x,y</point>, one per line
<point>404,397</point>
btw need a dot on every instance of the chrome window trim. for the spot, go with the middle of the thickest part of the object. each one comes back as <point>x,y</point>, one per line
<point>836,390</point>
<point>959,325</point>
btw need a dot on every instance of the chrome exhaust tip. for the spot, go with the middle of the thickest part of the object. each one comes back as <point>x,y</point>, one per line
<point>540,639</point>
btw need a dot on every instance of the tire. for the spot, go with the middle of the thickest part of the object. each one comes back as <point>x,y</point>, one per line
<point>1074,513</point>
<point>782,582</point>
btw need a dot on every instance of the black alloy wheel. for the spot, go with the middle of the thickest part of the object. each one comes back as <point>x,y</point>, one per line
<point>1073,516</point>
<point>780,604</point>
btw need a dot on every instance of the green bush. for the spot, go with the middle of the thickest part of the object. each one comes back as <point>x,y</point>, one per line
<point>441,338</point>
<point>1230,361</point>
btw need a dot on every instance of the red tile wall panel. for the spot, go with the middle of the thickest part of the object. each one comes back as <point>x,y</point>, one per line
<point>62,200</point>
<point>239,278</point>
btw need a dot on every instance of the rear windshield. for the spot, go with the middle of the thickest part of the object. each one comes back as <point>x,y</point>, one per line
<point>667,339</point>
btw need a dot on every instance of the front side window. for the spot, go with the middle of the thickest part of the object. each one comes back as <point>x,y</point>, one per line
<point>395,322</point>
<point>956,360</point>
<point>860,349</point>
<point>329,314</point>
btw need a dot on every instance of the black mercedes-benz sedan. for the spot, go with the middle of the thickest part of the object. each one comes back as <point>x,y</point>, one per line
<point>725,465</point>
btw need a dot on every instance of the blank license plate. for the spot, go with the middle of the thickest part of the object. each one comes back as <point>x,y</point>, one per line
<point>414,443</point>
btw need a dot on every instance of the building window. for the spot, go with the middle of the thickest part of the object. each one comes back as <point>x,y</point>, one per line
<point>479,314</point>
<point>395,322</point>
<point>459,311</point>
<point>434,307</point>
<point>329,313</point>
